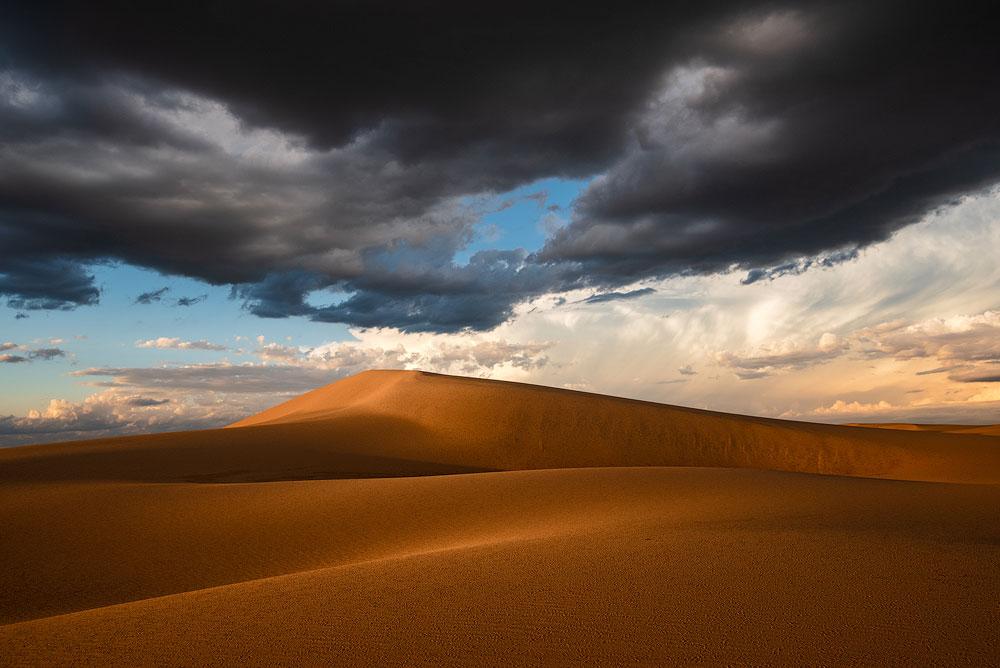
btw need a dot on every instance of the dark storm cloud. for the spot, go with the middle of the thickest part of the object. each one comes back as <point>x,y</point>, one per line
<point>297,148</point>
<point>795,131</point>
<point>151,297</point>
<point>45,283</point>
<point>416,295</point>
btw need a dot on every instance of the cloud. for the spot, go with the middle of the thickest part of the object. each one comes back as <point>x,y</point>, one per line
<point>142,402</point>
<point>963,338</point>
<point>191,301</point>
<point>474,358</point>
<point>746,136</point>
<point>955,412</point>
<point>618,296</point>
<point>986,374</point>
<point>275,352</point>
<point>222,377</point>
<point>151,297</point>
<point>940,369</point>
<point>48,283</point>
<point>967,347</point>
<point>28,355</point>
<point>687,370</point>
<point>117,412</point>
<point>782,357</point>
<point>749,157</point>
<point>46,353</point>
<point>164,342</point>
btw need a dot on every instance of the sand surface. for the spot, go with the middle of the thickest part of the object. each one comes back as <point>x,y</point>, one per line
<point>407,518</point>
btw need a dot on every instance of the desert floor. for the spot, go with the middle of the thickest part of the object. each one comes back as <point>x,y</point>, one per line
<point>407,518</point>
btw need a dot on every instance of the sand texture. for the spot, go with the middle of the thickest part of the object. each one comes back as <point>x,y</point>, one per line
<point>408,518</point>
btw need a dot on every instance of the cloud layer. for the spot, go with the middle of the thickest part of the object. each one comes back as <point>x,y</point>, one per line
<point>329,176</point>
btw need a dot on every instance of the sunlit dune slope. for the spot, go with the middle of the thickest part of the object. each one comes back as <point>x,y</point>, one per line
<point>612,566</point>
<point>382,423</point>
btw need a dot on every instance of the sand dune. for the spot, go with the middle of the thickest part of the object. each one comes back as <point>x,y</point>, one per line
<point>401,517</point>
<point>981,429</point>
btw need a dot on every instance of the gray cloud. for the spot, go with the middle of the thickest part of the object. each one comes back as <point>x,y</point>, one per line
<point>191,301</point>
<point>985,374</point>
<point>618,296</point>
<point>141,402</point>
<point>151,297</point>
<point>28,355</point>
<point>226,378</point>
<point>46,353</point>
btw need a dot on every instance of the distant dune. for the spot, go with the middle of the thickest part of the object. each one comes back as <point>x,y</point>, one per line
<point>403,517</point>
<point>983,429</point>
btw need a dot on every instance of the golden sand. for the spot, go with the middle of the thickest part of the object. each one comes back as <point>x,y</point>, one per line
<point>406,518</point>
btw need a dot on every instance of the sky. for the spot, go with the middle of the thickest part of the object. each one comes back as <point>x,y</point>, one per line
<point>779,209</point>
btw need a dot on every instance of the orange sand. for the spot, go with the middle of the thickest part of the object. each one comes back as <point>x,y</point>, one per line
<point>402,517</point>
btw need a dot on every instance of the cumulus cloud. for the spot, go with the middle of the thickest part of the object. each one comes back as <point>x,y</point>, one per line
<point>963,338</point>
<point>782,357</point>
<point>117,412</point>
<point>953,412</point>
<point>174,343</point>
<point>275,352</point>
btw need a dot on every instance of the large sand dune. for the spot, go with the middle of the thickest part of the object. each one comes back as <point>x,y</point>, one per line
<point>402,517</point>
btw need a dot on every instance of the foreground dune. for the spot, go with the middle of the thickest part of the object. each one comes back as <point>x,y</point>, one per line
<point>400,517</point>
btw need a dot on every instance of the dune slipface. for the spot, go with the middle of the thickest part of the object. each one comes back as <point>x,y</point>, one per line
<point>402,518</point>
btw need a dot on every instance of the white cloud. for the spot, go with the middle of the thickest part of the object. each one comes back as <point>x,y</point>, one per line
<point>164,342</point>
